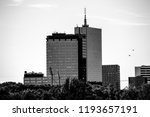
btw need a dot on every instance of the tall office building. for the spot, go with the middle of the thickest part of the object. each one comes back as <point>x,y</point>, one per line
<point>64,57</point>
<point>92,51</point>
<point>111,75</point>
<point>75,55</point>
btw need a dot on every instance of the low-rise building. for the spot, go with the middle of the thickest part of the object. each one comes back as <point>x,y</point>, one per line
<point>137,82</point>
<point>142,76</point>
<point>111,75</point>
<point>32,78</point>
<point>143,71</point>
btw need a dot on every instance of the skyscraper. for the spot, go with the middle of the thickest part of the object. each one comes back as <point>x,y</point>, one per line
<point>92,51</point>
<point>75,55</point>
<point>64,57</point>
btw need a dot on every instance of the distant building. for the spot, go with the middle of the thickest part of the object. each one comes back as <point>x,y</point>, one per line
<point>143,71</point>
<point>137,82</point>
<point>142,76</point>
<point>92,51</point>
<point>64,57</point>
<point>32,78</point>
<point>111,75</point>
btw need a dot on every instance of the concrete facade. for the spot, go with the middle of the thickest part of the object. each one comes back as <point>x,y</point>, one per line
<point>137,82</point>
<point>63,57</point>
<point>111,75</point>
<point>143,71</point>
<point>142,76</point>
<point>32,78</point>
<point>92,49</point>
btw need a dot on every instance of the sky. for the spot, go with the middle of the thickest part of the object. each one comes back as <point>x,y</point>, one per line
<point>24,25</point>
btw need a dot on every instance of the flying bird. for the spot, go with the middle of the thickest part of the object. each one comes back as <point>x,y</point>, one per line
<point>131,52</point>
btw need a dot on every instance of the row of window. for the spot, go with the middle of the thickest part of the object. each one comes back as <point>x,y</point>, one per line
<point>55,78</point>
<point>26,81</point>
<point>35,79</point>
<point>62,40</point>
<point>63,55</point>
<point>62,45</point>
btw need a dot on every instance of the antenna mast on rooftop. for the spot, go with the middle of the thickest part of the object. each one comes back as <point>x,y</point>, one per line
<point>85,20</point>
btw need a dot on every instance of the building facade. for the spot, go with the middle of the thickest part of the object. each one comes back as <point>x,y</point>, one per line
<point>142,76</point>
<point>92,51</point>
<point>143,71</point>
<point>32,78</point>
<point>137,82</point>
<point>76,55</point>
<point>64,57</point>
<point>111,75</point>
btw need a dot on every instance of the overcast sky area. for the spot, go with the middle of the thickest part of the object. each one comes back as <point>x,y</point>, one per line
<point>24,25</point>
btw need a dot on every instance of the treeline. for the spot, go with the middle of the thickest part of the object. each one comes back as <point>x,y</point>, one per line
<point>71,90</point>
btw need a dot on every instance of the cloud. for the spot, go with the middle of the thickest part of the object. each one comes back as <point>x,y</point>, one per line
<point>16,3</point>
<point>43,5</point>
<point>36,5</point>
<point>129,13</point>
<point>121,21</point>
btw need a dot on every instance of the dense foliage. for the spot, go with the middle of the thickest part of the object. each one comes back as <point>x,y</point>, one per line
<point>71,90</point>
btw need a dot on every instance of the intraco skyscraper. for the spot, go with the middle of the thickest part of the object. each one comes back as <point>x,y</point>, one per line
<point>92,51</point>
<point>76,55</point>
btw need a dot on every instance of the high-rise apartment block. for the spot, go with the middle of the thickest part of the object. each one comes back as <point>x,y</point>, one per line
<point>111,75</point>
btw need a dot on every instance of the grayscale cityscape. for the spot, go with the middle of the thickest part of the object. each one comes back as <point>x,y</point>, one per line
<point>91,63</point>
<point>79,55</point>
